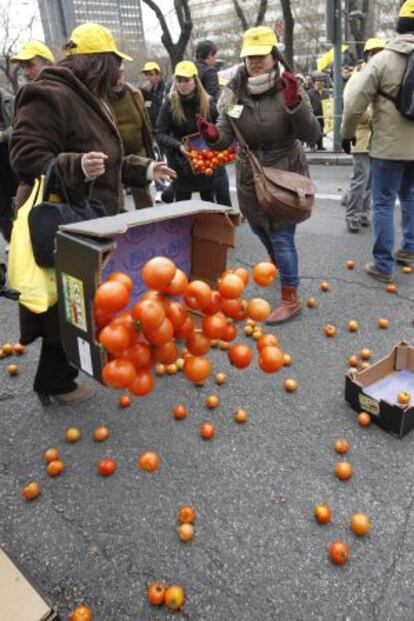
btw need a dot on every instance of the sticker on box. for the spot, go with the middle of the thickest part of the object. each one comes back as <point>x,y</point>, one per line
<point>74,300</point>
<point>85,357</point>
<point>369,405</point>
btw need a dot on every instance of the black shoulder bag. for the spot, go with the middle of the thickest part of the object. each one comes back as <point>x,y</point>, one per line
<point>46,217</point>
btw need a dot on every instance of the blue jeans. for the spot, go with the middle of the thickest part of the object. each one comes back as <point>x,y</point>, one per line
<point>280,245</point>
<point>391,178</point>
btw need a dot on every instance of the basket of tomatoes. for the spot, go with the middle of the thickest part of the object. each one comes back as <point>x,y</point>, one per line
<point>204,160</point>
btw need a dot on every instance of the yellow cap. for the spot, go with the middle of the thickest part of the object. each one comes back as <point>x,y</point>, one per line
<point>90,38</point>
<point>30,49</point>
<point>258,41</point>
<point>185,69</point>
<point>151,65</point>
<point>407,9</point>
<point>374,44</point>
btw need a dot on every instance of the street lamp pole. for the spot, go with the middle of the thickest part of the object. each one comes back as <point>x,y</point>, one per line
<point>338,82</point>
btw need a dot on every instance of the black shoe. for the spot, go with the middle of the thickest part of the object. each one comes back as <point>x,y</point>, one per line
<point>364,221</point>
<point>352,227</point>
<point>404,258</point>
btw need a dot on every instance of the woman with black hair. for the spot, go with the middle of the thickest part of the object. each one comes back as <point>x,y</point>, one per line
<point>273,114</point>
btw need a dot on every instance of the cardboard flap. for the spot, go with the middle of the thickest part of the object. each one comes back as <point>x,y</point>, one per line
<point>214,227</point>
<point>119,224</point>
<point>19,601</point>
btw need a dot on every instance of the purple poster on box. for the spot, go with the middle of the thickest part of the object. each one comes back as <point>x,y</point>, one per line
<point>169,238</point>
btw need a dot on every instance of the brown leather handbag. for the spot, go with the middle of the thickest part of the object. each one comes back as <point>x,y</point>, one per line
<point>284,195</point>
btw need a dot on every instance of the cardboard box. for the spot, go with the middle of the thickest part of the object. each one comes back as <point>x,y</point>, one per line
<point>195,234</point>
<point>19,599</point>
<point>374,390</point>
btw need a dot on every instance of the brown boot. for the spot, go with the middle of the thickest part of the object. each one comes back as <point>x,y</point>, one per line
<point>289,306</point>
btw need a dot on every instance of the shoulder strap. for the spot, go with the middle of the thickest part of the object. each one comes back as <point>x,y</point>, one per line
<point>254,162</point>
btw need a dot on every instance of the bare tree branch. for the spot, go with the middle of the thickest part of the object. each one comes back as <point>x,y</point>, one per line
<point>9,39</point>
<point>175,50</point>
<point>261,13</point>
<point>240,15</point>
<point>289,28</point>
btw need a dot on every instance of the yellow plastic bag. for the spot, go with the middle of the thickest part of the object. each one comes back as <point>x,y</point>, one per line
<point>37,285</point>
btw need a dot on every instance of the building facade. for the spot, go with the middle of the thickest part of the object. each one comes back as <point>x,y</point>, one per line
<point>218,21</point>
<point>122,17</point>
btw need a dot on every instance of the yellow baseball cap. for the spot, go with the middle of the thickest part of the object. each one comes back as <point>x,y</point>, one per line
<point>151,65</point>
<point>30,49</point>
<point>90,38</point>
<point>185,69</point>
<point>407,9</point>
<point>258,41</point>
<point>374,44</point>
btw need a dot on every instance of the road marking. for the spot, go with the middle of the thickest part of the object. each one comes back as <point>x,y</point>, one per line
<point>320,195</point>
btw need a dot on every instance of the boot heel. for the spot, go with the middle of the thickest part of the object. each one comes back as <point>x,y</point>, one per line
<point>45,400</point>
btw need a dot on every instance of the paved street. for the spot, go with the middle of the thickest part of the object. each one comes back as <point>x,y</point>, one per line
<point>258,554</point>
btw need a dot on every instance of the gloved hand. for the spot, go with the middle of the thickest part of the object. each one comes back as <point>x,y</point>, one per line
<point>206,129</point>
<point>290,90</point>
<point>346,144</point>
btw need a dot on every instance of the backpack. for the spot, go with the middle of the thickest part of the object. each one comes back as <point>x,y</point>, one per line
<point>404,102</point>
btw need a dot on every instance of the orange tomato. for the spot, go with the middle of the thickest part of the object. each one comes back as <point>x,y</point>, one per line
<point>122,278</point>
<point>338,552</point>
<point>186,515</point>
<point>179,411</point>
<point>142,384</point>
<point>158,273</point>
<point>323,513</point>
<point>341,446</point>
<point>111,296</point>
<point>364,419</point>
<point>156,593</point>
<point>360,524</point>
<point>214,326</point>
<point>174,597</point>
<point>264,273</point>
<point>55,467</point>
<point>196,368</point>
<point>31,491</point>
<point>258,309</point>
<point>198,343</point>
<point>267,340</point>
<point>343,470</point>
<point>149,461</point>
<point>271,359</point>
<point>81,613</point>
<point>240,355</point>
<point>231,286</point>
<point>207,431</point>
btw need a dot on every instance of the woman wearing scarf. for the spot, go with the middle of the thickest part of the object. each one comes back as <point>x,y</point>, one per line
<point>274,116</point>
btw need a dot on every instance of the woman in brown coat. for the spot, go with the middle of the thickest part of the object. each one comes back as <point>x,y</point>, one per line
<point>274,115</point>
<point>61,116</point>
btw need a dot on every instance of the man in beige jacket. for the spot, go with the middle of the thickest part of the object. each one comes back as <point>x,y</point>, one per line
<point>391,145</point>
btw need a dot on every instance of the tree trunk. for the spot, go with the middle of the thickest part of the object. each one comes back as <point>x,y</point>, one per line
<point>240,15</point>
<point>289,28</point>
<point>175,50</point>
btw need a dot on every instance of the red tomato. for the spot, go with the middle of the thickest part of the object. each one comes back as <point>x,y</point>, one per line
<point>111,297</point>
<point>196,368</point>
<point>122,278</point>
<point>149,313</point>
<point>158,273</point>
<point>198,343</point>
<point>198,295</point>
<point>139,354</point>
<point>185,330</point>
<point>338,552</point>
<point>230,333</point>
<point>114,338</point>
<point>167,353</point>
<point>142,384</point>
<point>162,334</point>
<point>177,315</point>
<point>119,373</point>
<point>178,285</point>
<point>240,355</point>
<point>271,359</point>
<point>214,326</point>
<point>106,466</point>
<point>214,306</point>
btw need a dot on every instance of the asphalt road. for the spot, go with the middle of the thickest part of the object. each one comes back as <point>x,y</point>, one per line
<point>258,554</point>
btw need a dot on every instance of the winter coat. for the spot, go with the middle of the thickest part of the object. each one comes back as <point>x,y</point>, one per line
<point>58,117</point>
<point>316,98</point>
<point>392,135</point>
<point>209,78</point>
<point>273,132</point>
<point>6,113</point>
<point>153,101</point>
<point>363,131</point>
<point>169,135</point>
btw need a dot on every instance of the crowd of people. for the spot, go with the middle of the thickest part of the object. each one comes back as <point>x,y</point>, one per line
<point>105,137</point>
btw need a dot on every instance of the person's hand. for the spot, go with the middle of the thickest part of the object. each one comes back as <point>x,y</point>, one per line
<point>346,144</point>
<point>93,164</point>
<point>206,129</point>
<point>161,172</point>
<point>290,90</point>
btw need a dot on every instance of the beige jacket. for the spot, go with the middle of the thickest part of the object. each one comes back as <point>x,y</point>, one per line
<point>363,130</point>
<point>392,136</point>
